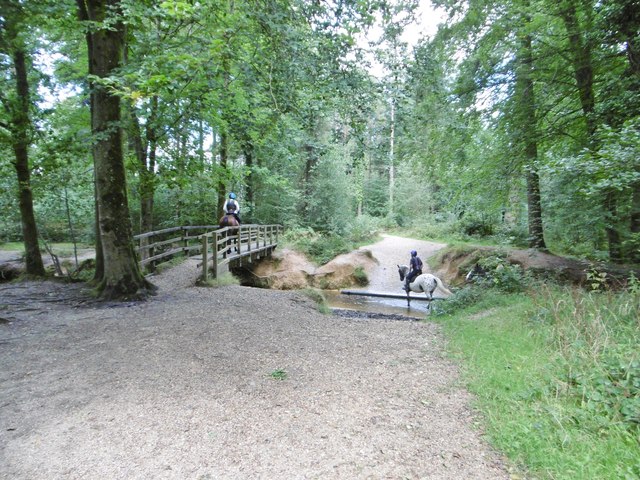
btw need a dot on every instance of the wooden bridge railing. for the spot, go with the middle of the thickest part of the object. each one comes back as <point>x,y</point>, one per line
<point>162,245</point>
<point>218,246</point>
<point>235,245</point>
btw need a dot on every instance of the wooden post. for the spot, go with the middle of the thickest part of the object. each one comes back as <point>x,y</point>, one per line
<point>205,260</point>
<point>215,255</point>
<point>185,241</point>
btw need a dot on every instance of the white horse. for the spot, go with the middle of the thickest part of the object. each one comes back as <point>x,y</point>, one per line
<point>426,283</point>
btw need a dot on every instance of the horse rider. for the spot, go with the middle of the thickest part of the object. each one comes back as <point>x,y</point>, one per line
<point>415,269</point>
<point>232,207</point>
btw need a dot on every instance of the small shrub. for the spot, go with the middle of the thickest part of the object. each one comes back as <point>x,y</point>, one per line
<point>360,276</point>
<point>503,275</point>
<point>318,297</point>
<point>476,225</point>
<point>278,374</point>
<point>223,280</point>
<point>461,299</point>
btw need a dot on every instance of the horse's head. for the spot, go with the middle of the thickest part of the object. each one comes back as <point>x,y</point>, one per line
<point>476,272</point>
<point>402,271</point>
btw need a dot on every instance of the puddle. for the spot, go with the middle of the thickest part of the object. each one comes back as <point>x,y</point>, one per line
<point>375,305</point>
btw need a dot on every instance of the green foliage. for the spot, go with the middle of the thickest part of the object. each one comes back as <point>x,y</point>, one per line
<point>504,276</point>
<point>223,280</point>
<point>360,276</point>
<point>477,225</point>
<point>461,299</point>
<point>279,374</point>
<point>318,297</point>
<point>324,247</point>
<point>556,377</point>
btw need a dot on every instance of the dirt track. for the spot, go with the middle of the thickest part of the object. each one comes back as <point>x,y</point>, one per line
<point>182,387</point>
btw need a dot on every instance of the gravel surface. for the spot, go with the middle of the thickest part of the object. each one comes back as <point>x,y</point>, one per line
<point>226,383</point>
<point>392,251</point>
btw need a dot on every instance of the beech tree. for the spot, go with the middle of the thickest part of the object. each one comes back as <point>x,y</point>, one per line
<point>16,121</point>
<point>105,41</point>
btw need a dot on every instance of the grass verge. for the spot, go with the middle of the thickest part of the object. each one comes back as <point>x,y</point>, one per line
<point>542,370</point>
<point>223,280</point>
<point>318,297</point>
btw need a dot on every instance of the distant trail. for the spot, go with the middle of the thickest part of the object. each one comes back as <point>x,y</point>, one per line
<point>392,251</point>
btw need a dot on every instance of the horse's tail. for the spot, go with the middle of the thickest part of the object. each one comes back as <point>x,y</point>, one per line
<point>442,287</point>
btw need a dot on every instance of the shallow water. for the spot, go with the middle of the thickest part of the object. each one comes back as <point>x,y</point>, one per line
<point>390,306</point>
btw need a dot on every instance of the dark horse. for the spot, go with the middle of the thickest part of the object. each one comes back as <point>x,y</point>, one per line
<point>229,220</point>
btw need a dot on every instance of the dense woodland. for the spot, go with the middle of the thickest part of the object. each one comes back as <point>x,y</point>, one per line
<point>519,119</point>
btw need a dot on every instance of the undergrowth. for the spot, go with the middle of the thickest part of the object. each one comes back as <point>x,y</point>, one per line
<point>322,247</point>
<point>556,374</point>
<point>223,280</point>
<point>318,297</point>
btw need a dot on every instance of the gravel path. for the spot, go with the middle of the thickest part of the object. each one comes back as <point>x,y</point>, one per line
<point>392,251</point>
<point>183,387</point>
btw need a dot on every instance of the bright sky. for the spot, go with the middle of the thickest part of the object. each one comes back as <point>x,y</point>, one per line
<point>428,19</point>
<point>426,25</point>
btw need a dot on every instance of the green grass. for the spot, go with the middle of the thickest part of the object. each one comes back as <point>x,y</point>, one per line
<point>519,362</point>
<point>324,247</point>
<point>318,297</point>
<point>222,281</point>
<point>12,246</point>
<point>278,374</point>
<point>59,248</point>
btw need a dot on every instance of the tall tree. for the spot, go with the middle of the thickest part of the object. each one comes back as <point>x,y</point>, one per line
<point>580,50</point>
<point>526,116</point>
<point>122,277</point>
<point>13,34</point>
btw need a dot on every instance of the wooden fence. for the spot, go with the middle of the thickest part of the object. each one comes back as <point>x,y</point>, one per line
<point>236,245</point>
<point>219,246</point>
<point>162,245</point>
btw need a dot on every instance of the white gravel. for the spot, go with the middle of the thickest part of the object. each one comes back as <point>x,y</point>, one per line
<point>181,387</point>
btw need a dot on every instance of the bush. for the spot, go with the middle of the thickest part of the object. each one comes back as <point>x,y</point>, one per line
<point>476,225</point>
<point>503,275</point>
<point>460,300</point>
<point>597,334</point>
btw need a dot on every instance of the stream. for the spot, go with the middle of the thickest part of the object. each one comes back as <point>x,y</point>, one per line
<point>383,306</point>
<point>389,253</point>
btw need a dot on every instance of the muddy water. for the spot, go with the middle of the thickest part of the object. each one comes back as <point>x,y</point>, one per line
<point>387,306</point>
<point>390,252</point>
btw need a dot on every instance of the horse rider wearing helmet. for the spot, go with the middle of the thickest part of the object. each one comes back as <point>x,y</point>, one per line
<point>232,207</point>
<point>415,269</point>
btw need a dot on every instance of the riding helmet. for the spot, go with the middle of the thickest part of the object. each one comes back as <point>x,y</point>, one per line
<point>232,196</point>
<point>413,253</point>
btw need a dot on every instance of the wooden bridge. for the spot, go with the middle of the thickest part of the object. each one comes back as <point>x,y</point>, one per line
<point>219,248</point>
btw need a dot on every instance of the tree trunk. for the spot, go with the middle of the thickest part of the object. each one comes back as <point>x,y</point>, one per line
<point>583,72</point>
<point>122,277</point>
<point>526,123</point>
<point>247,148</point>
<point>582,65</point>
<point>392,172</point>
<point>222,184</point>
<point>20,134</point>
<point>613,235</point>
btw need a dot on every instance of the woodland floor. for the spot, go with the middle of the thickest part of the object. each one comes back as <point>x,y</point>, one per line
<point>189,385</point>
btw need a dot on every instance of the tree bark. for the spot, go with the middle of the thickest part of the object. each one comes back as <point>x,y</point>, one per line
<point>20,140</point>
<point>98,275</point>
<point>583,72</point>
<point>122,277</point>
<point>247,148</point>
<point>527,125</point>
<point>222,184</point>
